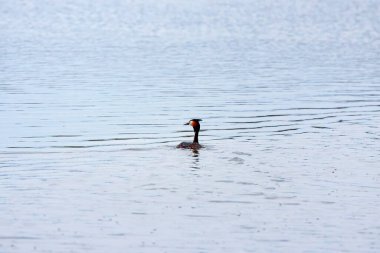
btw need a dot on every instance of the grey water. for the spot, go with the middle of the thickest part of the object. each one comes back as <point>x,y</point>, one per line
<point>94,95</point>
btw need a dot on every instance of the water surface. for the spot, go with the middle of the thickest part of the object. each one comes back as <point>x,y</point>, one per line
<point>93,97</point>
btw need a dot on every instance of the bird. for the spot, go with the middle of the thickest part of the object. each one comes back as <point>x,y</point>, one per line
<point>195,144</point>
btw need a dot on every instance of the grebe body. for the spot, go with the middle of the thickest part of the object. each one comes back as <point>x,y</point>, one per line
<point>189,145</point>
<point>195,144</point>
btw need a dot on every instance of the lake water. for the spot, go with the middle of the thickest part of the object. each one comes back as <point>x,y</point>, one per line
<point>94,95</point>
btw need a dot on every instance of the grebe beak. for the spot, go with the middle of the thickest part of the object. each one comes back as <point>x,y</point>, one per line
<point>186,123</point>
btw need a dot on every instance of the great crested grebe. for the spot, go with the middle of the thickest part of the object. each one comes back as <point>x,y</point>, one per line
<point>192,145</point>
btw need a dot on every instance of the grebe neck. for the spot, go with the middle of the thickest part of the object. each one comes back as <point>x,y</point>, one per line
<point>196,137</point>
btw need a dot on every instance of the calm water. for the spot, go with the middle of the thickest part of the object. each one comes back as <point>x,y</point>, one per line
<point>94,94</point>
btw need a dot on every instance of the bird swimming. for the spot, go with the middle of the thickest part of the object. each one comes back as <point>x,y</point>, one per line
<point>195,144</point>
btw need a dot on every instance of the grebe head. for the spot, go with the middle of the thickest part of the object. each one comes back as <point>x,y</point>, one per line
<point>195,124</point>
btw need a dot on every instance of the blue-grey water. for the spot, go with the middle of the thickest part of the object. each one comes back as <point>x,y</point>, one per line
<point>94,95</point>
